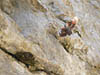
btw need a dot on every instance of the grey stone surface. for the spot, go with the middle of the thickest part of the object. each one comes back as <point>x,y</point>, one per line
<point>31,26</point>
<point>8,66</point>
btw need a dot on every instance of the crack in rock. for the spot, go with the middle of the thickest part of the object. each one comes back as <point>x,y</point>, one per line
<point>34,63</point>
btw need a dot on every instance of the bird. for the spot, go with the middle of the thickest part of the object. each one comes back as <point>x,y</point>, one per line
<point>68,27</point>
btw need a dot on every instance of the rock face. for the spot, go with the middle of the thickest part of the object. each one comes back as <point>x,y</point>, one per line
<point>29,44</point>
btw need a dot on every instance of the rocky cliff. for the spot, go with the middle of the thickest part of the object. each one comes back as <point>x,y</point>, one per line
<point>29,44</point>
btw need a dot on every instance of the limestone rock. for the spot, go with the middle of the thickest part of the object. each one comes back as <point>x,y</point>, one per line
<point>28,35</point>
<point>8,66</point>
<point>21,50</point>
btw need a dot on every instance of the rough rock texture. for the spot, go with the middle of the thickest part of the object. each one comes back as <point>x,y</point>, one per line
<point>29,44</point>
